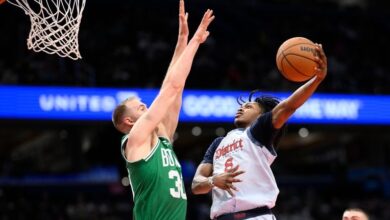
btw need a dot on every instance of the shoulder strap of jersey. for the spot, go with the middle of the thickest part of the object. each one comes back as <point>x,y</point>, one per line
<point>123,145</point>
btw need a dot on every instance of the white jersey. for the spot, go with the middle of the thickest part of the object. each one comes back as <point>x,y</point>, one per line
<point>258,187</point>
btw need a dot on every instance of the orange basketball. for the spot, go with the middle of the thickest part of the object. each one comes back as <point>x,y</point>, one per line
<point>2,1</point>
<point>295,59</point>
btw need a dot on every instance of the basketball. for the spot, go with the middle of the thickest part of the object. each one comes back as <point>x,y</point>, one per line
<point>295,59</point>
<point>2,1</point>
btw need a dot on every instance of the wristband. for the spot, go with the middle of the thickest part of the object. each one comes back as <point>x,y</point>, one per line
<point>210,180</point>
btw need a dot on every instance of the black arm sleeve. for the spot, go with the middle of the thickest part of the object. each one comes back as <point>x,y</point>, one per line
<point>209,155</point>
<point>263,132</point>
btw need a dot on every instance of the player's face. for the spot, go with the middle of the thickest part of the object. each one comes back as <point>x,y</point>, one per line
<point>354,215</point>
<point>246,114</point>
<point>135,108</point>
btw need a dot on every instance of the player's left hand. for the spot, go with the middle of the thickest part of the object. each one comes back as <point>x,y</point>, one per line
<point>202,33</point>
<point>225,180</point>
<point>322,62</point>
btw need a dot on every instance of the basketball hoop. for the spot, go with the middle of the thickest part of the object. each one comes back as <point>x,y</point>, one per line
<point>55,25</point>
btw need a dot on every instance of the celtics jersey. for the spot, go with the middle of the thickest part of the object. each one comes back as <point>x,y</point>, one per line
<point>157,184</point>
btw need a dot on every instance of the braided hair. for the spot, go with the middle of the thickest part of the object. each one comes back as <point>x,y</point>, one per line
<point>266,103</point>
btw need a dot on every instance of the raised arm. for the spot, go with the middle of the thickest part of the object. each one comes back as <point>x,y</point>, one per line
<point>182,38</point>
<point>173,85</point>
<point>170,121</point>
<point>282,112</point>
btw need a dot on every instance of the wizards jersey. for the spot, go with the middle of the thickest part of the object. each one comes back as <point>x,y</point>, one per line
<point>252,150</point>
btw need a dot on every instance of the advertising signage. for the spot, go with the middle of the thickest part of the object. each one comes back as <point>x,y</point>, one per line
<point>74,103</point>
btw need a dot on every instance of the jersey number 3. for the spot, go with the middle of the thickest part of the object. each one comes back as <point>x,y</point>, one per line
<point>178,191</point>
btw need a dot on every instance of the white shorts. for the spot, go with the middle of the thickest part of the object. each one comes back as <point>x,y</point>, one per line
<point>263,217</point>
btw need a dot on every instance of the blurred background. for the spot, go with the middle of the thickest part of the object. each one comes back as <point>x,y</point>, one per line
<point>71,168</point>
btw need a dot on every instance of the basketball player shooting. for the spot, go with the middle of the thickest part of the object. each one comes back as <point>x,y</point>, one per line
<point>237,167</point>
<point>154,171</point>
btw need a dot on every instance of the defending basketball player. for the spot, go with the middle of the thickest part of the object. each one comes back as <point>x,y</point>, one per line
<point>154,171</point>
<point>237,167</point>
<point>355,214</point>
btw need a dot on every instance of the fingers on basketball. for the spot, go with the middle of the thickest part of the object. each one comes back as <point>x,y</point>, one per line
<point>296,60</point>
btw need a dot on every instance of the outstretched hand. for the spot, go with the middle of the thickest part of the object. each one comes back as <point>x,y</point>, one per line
<point>202,33</point>
<point>182,39</point>
<point>183,25</point>
<point>322,68</point>
<point>225,180</point>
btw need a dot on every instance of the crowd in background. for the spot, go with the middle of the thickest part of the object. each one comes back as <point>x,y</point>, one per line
<point>129,44</point>
<point>77,203</point>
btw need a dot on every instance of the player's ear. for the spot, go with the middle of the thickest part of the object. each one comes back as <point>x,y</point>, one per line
<point>128,121</point>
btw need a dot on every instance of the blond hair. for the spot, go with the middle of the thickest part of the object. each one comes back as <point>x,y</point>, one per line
<point>358,210</point>
<point>119,112</point>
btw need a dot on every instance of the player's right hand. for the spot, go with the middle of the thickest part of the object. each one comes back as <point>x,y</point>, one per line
<point>225,180</point>
<point>322,62</point>
<point>183,25</point>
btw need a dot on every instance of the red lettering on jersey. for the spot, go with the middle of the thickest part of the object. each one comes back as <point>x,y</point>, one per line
<point>229,164</point>
<point>240,145</point>
<point>236,145</point>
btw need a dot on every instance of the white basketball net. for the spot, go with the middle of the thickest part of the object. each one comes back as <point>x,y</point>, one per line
<point>54,25</point>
